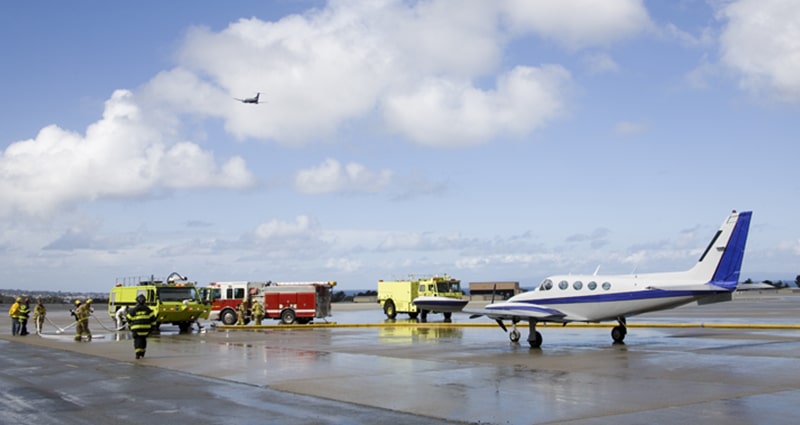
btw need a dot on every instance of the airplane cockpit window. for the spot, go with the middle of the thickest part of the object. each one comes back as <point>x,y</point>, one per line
<point>592,285</point>
<point>563,284</point>
<point>577,285</point>
<point>546,285</point>
<point>606,285</point>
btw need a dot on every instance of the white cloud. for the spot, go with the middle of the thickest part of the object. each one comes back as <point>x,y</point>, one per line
<point>579,23</point>
<point>331,176</point>
<point>346,265</point>
<point>417,63</point>
<point>303,227</point>
<point>761,42</point>
<point>123,154</point>
<point>443,112</point>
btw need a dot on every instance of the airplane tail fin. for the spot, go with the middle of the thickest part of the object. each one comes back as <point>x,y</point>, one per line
<point>721,262</point>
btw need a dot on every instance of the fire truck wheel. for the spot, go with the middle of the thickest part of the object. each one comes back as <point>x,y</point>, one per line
<point>390,309</point>
<point>287,317</point>
<point>228,317</point>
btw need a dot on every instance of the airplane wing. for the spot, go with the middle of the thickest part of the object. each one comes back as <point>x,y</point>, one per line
<point>516,311</point>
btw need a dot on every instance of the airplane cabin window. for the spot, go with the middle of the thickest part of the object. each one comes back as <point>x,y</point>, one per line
<point>577,285</point>
<point>546,285</point>
<point>592,285</point>
<point>606,285</point>
<point>563,284</point>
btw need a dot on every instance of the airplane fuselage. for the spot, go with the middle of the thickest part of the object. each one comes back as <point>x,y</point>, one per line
<point>592,298</point>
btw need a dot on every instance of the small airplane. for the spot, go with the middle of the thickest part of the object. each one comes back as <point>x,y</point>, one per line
<point>594,298</point>
<point>253,100</point>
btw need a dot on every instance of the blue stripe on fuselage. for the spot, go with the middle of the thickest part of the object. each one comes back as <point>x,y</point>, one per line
<point>619,296</point>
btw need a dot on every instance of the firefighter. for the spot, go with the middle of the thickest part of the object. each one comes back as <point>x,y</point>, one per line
<point>258,313</point>
<point>13,311</point>
<point>39,313</point>
<point>82,313</point>
<point>74,309</point>
<point>241,312</point>
<point>141,320</point>
<point>121,317</point>
<point>23,314</point>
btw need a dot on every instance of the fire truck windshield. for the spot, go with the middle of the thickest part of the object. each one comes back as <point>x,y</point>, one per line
<point>177,293</point>
<point>449,286</point>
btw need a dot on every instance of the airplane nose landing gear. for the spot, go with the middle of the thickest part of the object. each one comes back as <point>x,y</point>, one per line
<point>534,337</point>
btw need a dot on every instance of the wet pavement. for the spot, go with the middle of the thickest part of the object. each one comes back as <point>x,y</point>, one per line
<point>417,374</point>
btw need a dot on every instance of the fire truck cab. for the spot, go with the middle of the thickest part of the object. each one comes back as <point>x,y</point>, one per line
<point>225,297</point>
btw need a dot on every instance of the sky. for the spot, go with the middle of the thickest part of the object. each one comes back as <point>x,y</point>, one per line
<point>502,140</point>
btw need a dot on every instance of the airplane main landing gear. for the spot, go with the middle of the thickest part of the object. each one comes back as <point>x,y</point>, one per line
<point>534,337</point>
<point>618,332</point>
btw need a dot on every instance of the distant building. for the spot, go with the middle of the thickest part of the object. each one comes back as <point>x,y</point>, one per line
<point>501,290</point>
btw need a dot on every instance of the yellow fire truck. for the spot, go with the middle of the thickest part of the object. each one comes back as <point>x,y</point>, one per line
<point>174,300</point>
<point>397,296</point>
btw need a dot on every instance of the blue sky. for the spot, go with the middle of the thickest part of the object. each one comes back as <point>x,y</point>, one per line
<point>490,140</point>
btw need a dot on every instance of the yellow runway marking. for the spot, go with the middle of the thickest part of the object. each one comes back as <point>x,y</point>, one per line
<point>520,324</point>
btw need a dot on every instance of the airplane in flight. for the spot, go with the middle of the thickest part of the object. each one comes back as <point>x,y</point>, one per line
<point>253,100</point>
<point>595,298</point>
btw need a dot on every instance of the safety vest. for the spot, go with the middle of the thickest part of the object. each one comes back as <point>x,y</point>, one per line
<point>142,319</point>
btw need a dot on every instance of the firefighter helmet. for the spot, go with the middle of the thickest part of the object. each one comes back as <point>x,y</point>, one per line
<point>89,301</point>
<point>77,302</point>
<point>140,299</point>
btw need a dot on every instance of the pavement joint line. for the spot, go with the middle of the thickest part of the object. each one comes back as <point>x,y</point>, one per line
<point>520,324</point>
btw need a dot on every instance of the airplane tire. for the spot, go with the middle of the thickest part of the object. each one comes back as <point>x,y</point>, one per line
<point>536,341</point>
<point>389,309</point>
<point>447,315</point>
<point>618,334</point>
<point>514,335</point>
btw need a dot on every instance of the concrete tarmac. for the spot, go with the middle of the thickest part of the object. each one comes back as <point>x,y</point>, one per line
<point>416,373</point>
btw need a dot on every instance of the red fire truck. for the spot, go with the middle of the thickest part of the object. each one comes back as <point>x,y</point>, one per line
<point>288,302</point>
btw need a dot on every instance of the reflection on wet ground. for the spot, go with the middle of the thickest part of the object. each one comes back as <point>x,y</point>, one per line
<point>475,375</point>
